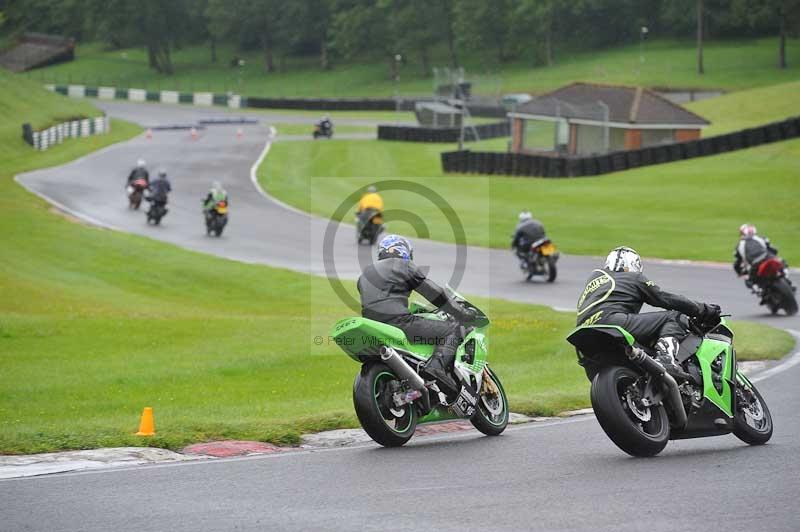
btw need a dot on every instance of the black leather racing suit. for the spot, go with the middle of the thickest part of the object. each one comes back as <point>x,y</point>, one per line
<point>525,234</point>
<point>159,190</point>
<point>615,298</point>
<point>384,287</point>
<point>138,173</point>
<point>749,253</point>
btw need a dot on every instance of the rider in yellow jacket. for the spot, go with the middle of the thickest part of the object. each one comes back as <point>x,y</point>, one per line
<point>370,200</point>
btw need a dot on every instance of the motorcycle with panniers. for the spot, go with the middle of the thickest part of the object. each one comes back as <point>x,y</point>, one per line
<point>641,406</point>
<point>391,397</point>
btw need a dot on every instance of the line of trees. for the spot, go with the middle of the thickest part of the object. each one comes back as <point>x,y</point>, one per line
<point>537,31</point>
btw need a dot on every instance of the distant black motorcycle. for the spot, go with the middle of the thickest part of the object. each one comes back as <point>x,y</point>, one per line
<point>217,218</point>
<point>540,260</point>
<point>369,226</point>
<point>323,129</point>
<point>773,287</point>
<point>158,209</point>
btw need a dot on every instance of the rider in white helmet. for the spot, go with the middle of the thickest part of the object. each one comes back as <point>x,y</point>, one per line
<point>614,295</point>
<point>751,250</point>
<point>139,172</point>
<point>528,231</point>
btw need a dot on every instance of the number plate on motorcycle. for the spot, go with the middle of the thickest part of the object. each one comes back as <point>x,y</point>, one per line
<point>548,249</point>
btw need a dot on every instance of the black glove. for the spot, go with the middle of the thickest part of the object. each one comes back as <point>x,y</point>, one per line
<point>465,315</point>
<point>709,314</point>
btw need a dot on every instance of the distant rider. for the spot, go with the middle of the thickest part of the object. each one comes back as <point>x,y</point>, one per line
<point>215,195</point>
<point>751,250</point>
<point>615,295</point>
<point>370,201</point>
<point>385,287</point>
<point>528,231</point>
<point>325,124</point>
<point>160,189</point>
<point>139,172</point>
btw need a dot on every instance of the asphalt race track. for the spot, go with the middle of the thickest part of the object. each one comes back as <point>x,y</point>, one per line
<point>563,475</point>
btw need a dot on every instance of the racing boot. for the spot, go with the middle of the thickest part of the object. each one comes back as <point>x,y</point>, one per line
<point>666,350</point>
<point>437,367</point>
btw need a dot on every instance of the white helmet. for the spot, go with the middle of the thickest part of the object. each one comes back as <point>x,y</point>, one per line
<point>624,259</point>
<point>525,216</point>
<point>747,230</point>
<point>140,163</point>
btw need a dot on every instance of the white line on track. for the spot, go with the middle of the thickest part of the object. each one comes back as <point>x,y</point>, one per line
<point>788,362</point>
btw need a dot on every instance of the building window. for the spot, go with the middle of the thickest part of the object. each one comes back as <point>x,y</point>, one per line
<point>539,135</point>
<point>656,137</point>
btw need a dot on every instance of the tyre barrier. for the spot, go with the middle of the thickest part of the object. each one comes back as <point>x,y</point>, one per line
<point>448,134</point>
<point>533,165</point>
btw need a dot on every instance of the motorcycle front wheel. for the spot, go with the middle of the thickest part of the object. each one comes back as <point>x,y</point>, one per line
<point>637,430</point>
<point>385,423</point>
<point>491,414</point>
<point>752,422</point>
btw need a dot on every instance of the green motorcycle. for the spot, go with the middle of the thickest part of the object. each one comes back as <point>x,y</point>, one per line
<point>640,406</point>
<point>391,397</point>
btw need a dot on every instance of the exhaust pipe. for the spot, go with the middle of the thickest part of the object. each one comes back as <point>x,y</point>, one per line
<point>401,368</point>
<point>673,394</point>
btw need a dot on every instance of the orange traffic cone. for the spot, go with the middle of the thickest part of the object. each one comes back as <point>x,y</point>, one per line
<point>239,133</point>
<point>148,134</point>
<point>193,133</point>
<point>147,426</point>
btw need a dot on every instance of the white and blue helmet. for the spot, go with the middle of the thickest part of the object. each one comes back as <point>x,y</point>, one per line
<point>395,246</point>
<point>624,259</point>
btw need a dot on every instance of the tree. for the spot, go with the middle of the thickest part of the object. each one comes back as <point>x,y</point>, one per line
<point>769,17</point>
<point>365,27</point>
<point>480,25</point>
<point>699,16</point>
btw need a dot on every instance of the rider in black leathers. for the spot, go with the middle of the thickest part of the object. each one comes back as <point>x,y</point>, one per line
<point>528,231</point>
<point>139,172</point>
<point>615,294</point>
<point>385,286</point>
<point>160,189</point>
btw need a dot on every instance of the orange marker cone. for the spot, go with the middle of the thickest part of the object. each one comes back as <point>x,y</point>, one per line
<point>147,426</point>
<point>193,133</point>
<point>148,134</point>
<point>239,133</point>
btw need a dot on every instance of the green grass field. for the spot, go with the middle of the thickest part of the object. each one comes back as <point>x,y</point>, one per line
<point>690,209</point>
<point>730,65</point>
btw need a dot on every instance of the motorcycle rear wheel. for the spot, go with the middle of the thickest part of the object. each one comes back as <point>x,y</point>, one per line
<point>786,296</point>
<point>551,269</point>
<point>752,422</point>
<point>387,425</point>
<point>641,432</point>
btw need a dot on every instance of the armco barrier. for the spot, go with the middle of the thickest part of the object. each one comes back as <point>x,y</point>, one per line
<point>429,134</point>
<point>527,164</point>
<point>42,140</point>
<point>233,100</point>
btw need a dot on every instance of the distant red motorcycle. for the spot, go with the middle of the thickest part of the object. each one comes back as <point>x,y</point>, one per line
<point>773,287</point>
<point>135,193</point>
